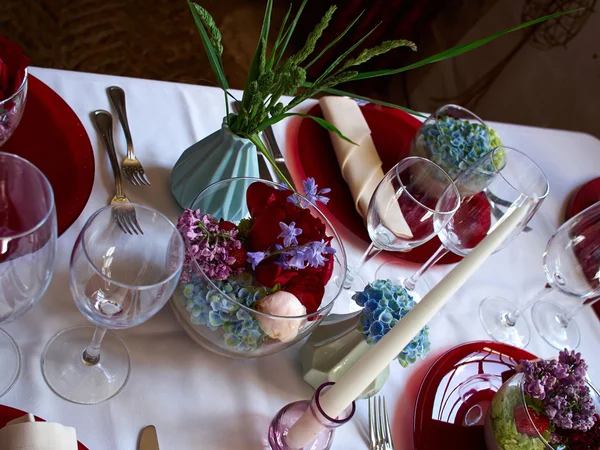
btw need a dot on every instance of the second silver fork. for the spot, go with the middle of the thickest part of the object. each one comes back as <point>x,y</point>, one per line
<point>132,167</point>
<point>380,434</point>
<point>124,215</point>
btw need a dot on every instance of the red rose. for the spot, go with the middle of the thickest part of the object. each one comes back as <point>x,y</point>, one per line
<point>12,68</point>
<point>268,207</point>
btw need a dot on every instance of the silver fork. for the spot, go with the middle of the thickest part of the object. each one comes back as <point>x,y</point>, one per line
<point>124,215</point>
<point>380,434</point>
<point>132,168</point>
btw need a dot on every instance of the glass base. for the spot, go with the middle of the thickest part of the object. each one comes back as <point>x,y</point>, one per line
<point>547,318</point>
<point>493,312</point>
<point>283,421</point>
<point>10,362</point>
<point>76,381</point>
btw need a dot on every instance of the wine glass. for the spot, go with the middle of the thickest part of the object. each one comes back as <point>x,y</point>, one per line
<point>503,172</point>
<point>118,280</point>
<point>410,205</point>
<point>28,233</point>
<point>571,263</point>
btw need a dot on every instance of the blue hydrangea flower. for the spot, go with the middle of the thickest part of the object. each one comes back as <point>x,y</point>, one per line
<point>209,307</point>
<point>384,305</point>
<point>455,144</point>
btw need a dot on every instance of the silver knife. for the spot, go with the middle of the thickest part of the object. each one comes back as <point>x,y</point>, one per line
<point>263,163</point>
<point>148,439</point>
<point>275,152</point>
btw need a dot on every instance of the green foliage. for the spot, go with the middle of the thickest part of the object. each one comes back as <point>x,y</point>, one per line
<point>269,78</point>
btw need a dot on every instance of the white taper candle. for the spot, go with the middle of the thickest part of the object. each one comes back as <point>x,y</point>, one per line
<point>366,369</point>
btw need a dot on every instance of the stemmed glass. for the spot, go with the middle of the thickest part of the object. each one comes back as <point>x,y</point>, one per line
<point>118,280</point>
<point>571,263</point>
<point>28,233</point>
<point>411,204</point>
<point>503,172</point>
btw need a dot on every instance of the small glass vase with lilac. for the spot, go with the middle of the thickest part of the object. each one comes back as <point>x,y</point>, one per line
<point>548,404</point>
<point>262,267</point>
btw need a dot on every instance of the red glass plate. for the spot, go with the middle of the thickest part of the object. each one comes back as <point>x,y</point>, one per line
<point>52,137</point>
<point>7,414</point>
<point>311,155</point>
<point>584,197</point>
<point>456,392</point>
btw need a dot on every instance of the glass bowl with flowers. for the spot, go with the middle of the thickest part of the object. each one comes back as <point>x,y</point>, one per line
<point>546,405</point>
<point>263,267</point>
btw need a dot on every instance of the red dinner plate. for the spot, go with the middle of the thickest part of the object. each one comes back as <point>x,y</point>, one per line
<point>584,197</point>
<point>52,137</point>
<point>7,414</point>
<point>312,155</point>
<point>456,392</point>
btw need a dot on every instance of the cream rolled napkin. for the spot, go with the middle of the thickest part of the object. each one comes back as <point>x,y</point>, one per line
<point>25,433</point>
<point>360,164</point>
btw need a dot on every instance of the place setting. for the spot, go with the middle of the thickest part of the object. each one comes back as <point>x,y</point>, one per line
<point>312,250</point>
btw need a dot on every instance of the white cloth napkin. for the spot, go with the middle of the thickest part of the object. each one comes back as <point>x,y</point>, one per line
<point>25,433</point>
<point>360,164</point>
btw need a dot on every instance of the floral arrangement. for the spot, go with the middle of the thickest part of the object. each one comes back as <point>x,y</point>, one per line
<point>555,402</point>
<point>276,262</point>
<point>455,144</point>
<point>272,75</point>
<point>557,389</point>
<point>384,305</point>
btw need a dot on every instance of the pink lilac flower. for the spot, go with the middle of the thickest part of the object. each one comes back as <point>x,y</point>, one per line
<point>561,384</point>
<point>209,247</point>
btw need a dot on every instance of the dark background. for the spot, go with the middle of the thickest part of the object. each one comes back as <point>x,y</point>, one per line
<point>549,76</point>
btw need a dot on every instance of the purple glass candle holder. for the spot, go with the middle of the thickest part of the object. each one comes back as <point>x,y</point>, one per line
<point>289,415</point>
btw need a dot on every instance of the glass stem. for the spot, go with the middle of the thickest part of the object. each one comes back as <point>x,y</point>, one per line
<point>411,283</point>
<point>91,355</point>
<point>367,256</point>
<point>511,318</point>
<point>567,316</point>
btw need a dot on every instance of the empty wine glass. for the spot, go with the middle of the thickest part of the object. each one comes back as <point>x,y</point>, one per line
<point>571,263</point>
<point>503,172</point>
<point>118,280</point>
<point>28,236</point>
<point>411,204</point>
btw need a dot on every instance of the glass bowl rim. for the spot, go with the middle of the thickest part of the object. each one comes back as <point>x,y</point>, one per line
<point>446,174</point>
<point>18,91</point>
<point>51,207</point>
<point>319,311</point>
<point>86,226</point>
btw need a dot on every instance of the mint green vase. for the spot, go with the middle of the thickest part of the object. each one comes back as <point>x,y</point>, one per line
<point>332,349</point>
<point>220,156</point>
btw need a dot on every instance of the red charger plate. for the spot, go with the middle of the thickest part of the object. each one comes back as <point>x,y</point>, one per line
<point>52,137</point>
<point>457,390</point>
<point>7,414</point>
<point>583,198</point>
<point>310,149</point>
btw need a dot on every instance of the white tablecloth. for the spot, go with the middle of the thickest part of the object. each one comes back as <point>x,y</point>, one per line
<point>200,400</point>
